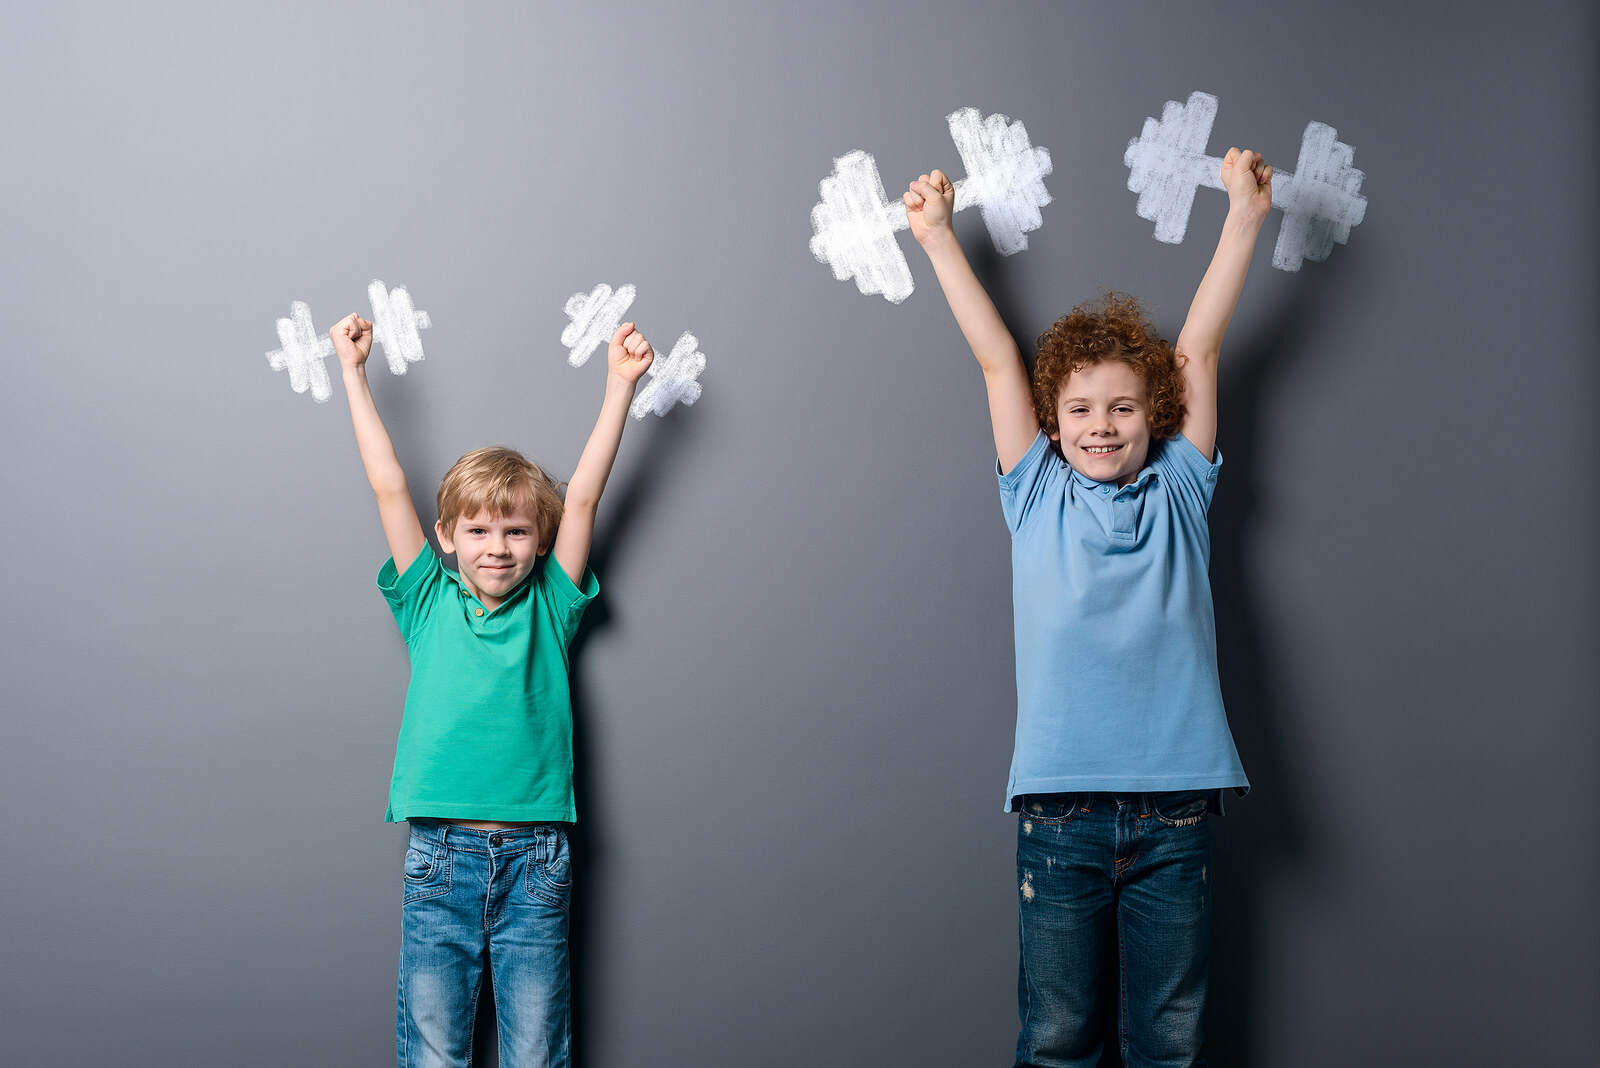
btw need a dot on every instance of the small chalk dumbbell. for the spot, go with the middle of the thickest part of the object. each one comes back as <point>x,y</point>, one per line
<point>674,378</point>
<point>855,223</point>
<point>1320,201</point>
<point>395,327</point>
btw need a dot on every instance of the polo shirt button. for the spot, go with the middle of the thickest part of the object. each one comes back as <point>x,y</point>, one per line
<point>478,611</point>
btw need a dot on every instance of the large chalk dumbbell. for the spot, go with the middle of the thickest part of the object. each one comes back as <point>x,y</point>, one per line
<point>855,223</point>
<point>1320,201</point>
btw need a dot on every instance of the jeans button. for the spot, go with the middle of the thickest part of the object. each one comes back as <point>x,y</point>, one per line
<point>494,839</point>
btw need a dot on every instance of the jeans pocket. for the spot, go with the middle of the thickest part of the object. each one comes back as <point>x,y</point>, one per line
<point>549,876</point>
<point>1050,808</point>
<point>427,873</point>
<point>1185,808</point>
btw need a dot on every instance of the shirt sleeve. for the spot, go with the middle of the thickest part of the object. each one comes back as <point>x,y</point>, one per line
<point>1036,477</point>
<point>1192,477</point>
<point>411,595</point>
<point>564,601</point>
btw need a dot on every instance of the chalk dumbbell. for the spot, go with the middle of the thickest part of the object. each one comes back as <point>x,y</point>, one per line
<point>594,316</point>
<point>1320,201</point>
<point>855,223</point>
<point>395,325</point>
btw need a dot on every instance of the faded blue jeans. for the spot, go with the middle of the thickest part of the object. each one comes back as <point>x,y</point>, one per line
<point>1113,886</point>
<point>477,899</point>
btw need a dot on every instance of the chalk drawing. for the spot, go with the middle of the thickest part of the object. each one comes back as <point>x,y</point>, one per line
<point>396,325</point>
<point>673,380</point>
<point>1005,176</point>
<point>853,229</point>
<point>302,354</point>
<point>595,317</point>
<point>1320,201</point>
<point>854,224</point>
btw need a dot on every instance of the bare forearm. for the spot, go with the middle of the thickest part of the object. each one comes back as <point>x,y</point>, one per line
<point>1218,294</point>
<point>588,480</point>
<point>975,313</point>
<point>383,468</point>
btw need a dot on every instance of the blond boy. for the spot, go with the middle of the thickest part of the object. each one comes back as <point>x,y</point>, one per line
<point>483,764</point>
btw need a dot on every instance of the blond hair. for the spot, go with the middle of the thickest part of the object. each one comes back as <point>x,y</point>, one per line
<point>500,481</point>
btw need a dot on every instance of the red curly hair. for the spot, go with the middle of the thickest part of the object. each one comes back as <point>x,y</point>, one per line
<point>1111,327</point>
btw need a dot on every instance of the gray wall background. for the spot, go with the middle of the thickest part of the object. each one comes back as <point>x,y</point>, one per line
<point>795,696</point>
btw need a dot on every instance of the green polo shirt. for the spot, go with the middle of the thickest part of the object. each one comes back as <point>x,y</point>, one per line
<point>487,732</point>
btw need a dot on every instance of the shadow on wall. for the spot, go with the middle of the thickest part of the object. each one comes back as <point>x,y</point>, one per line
<point>1267,833</point>
<point>620,511</point>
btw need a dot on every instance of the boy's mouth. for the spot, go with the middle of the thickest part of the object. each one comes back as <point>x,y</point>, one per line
<point>1101,450</point>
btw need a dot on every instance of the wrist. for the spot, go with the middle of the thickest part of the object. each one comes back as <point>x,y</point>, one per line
<point>1245,216</point>
<point>618,386</point>
<point>939,241</point>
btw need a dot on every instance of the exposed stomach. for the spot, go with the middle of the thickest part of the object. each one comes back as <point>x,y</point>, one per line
<point>494,825</point>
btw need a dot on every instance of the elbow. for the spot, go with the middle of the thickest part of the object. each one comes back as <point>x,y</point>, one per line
<point>392,491</point>
<point>1192,354</point>
<point>999,362</point>
<point>579,504</point>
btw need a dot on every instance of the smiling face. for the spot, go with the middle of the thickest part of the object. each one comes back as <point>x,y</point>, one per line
<point>1104,422</point>
<point>494,553</point>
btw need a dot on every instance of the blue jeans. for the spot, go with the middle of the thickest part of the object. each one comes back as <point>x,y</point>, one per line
<point>484,898</point>
<point>1111,881</point>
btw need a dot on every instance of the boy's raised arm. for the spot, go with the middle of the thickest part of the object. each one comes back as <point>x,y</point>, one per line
<point>626,359</point>
<point>352,340</point>
<point>930,202</point>
<point>1248,179</point>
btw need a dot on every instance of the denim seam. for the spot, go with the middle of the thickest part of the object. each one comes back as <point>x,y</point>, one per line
<point>1050,821</point>
<point>1188,821</point>
<point>1122,989</point>
<point>405,1015</point>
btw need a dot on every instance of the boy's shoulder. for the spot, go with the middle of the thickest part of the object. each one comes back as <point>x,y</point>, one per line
<point>1180,461</point>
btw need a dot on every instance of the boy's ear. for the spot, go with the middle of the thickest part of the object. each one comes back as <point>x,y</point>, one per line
<point>444,539</point>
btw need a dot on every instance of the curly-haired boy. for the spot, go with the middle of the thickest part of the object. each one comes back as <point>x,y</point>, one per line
<point>1107,464</point>
<point>483,764</point>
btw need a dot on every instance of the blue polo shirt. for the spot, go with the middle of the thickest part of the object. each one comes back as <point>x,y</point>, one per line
<point>1117,684</point>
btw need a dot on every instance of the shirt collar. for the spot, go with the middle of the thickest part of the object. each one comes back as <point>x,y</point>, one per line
<point>521,587</point>
<point>1137,485</point>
